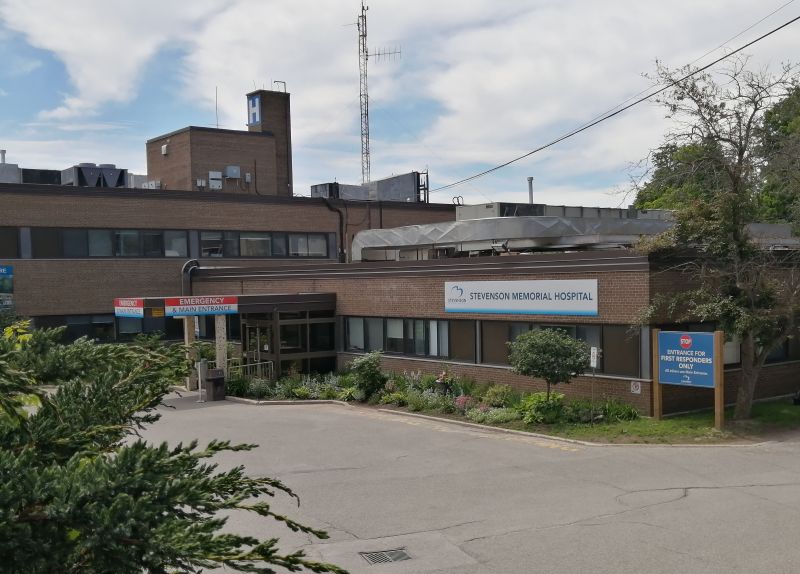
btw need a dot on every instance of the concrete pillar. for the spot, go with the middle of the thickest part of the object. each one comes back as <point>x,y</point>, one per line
<point>191,354</point>
<point>221,338</point>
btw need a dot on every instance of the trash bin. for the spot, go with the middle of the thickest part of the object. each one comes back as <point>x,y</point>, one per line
<point>215,385</point>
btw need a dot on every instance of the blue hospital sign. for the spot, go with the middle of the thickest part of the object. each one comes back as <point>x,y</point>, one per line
<point>686,359</point>
<point>253,110</point>
<point>6,286</point>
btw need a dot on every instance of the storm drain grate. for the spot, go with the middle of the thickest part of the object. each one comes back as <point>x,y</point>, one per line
<point>385,556</point>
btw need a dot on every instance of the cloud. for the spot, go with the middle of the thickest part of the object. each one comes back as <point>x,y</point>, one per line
<point>3,93</point>
<point>492,80</point>
<point>103,47</point>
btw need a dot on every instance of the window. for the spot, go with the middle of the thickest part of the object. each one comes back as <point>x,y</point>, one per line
<point>298,245</point>
<point>394,335</point>
<point>152,243</point>
<point>46,242</point>
<point>494,335</point>
<point>129,326</point>
<point>317,245</point>
<point>76,243</point>
<point>620,351</point>
<point>279,245</point>
<point>9,243</point>
<point>126,243</point>
<point>255,244</point>
<point>100,243</point>
<point>437,339</point>
<point>355,334</point>
<point>230,244</point>
<point>293,338</point>
<point>462,340</point>
<point>518,329</point>
<point>321,336</point>
<point>210,244</point>
<point>414,337</point>
<point>374,328</point>
<point>175,244</point>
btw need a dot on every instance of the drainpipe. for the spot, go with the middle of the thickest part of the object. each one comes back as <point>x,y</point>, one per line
<point>186,275</point>
<point>342,238</point>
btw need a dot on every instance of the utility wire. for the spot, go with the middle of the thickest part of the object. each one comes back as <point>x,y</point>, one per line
<point>617,112</point>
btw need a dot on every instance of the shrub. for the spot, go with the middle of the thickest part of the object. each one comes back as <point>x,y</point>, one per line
<point>284,388</point>
<point>493,416</point>
<point>368,375</point>
<point>259,389</point>
<point>351,394</point>
<point>396,398</point>
<point>499,396</point>
<point>428,400</point>
<point>614,411</point>
<point>463,403</point>
<point>549,354</point>
<point>328,392</point>
<point>538,408</point>
<point>582,411</point>
<point>237,387</point>
<point>463,386</point>
<point>302,393</point>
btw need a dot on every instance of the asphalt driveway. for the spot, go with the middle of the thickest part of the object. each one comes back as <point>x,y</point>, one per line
<point>472,501</point>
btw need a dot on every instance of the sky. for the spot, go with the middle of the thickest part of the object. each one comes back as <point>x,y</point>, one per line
<point>477,83</point>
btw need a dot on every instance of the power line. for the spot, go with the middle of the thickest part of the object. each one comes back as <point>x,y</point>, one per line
<point>617,112</point>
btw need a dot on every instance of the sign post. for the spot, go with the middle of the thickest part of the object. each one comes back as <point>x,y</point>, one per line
<point>689,359</point>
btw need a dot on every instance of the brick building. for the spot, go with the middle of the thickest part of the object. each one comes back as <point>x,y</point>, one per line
<point>73,250</point>
<point>257,161</point>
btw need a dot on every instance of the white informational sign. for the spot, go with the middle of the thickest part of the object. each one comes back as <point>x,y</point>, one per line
<point>545,297</point>
<point>210,305</point>
<point>593,358</point>
<point>132,308</point>
<point>636,387</point>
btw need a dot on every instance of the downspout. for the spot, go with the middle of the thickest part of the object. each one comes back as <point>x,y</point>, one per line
<point>186,275</point>
<point>342,238</point>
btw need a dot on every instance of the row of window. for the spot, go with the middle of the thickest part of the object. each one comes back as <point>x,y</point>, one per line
<point>262,244</point>
<point>457,340</point>
<point>77,243</point>
<point>50,243</point>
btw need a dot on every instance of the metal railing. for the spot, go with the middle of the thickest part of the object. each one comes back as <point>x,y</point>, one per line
<point>248,371</point>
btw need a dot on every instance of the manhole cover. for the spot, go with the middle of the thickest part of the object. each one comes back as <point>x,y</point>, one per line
<point>386,556</point>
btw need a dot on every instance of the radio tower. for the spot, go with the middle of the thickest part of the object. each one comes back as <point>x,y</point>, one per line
<point>363,56</point>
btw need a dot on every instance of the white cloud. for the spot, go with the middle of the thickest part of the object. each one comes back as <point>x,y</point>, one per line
<point>499,79</point>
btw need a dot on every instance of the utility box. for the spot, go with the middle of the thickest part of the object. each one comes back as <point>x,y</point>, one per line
<point>215,385</point>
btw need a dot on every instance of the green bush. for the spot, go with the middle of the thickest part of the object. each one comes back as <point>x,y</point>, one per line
<point>582,411</point>
<point>260,389</point>
<point>614,411</point>
<point>463,386</point>
<point>536,408</point>
<point>428,400</point>
<point>328,392</point>
<point>237,387</point>
<point>302,393</point>
<point>396,398</point>
<point>368,375</point>
<point>351,394</point>
<point>499,396</point>
<point>493,416</point>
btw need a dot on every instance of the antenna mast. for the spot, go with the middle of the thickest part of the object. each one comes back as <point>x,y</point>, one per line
<point>363,56</point>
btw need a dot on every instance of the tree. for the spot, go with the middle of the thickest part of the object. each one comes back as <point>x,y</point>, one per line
<point>80,493</point>
<point>752,293</point>
<point>781,150</point>
<point>549,354</point>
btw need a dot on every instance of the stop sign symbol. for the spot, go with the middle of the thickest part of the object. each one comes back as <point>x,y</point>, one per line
<point>686,341</point>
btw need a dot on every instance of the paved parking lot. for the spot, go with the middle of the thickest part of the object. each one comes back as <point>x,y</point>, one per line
<point>469,501</point>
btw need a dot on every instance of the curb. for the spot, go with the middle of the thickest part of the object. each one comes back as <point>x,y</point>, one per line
<point>481,427</point>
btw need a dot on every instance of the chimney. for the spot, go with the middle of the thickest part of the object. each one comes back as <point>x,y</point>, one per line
<point>530,190</point>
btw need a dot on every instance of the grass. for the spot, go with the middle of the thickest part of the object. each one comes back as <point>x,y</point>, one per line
<point>769,419</point>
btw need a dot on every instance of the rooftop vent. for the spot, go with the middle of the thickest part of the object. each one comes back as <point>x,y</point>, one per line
<point>385,556</point>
